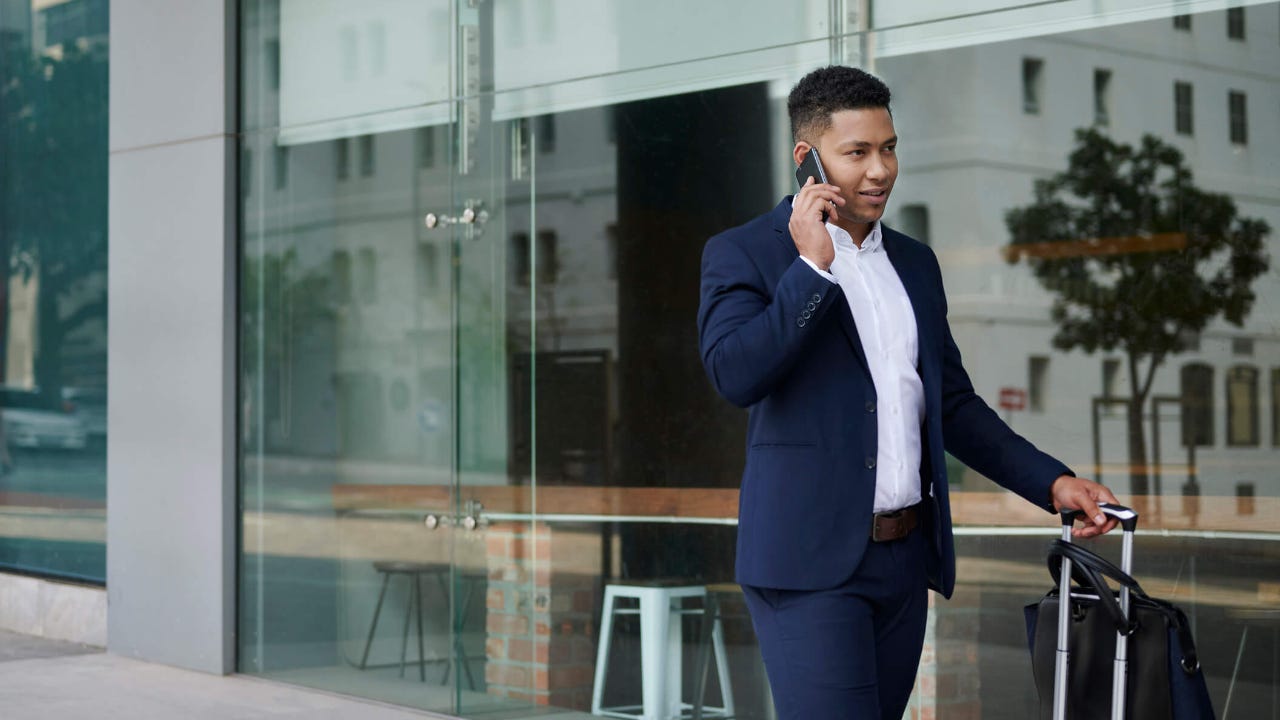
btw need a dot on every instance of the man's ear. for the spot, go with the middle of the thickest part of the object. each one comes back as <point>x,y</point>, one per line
<point>799,151</point>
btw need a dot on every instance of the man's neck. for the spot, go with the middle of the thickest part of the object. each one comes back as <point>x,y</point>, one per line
<point>858,231</point>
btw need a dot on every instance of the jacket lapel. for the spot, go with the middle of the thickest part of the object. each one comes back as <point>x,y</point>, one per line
<point>782,216</point>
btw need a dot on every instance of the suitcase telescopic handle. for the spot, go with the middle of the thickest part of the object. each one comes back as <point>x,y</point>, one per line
<point>1128,518</point>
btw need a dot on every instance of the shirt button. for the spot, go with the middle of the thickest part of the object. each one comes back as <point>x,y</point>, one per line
<point>871,463</point>
<point>871,406</point>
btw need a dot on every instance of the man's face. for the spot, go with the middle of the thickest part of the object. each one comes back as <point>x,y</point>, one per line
<point>859,154</point>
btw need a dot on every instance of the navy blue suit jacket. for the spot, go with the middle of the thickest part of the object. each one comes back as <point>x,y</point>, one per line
<point>778,338</point>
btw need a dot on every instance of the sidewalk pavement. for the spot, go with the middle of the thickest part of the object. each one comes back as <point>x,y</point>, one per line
<point>50,680</point>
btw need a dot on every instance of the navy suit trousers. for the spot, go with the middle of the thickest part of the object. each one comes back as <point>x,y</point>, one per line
<point>850,652</point>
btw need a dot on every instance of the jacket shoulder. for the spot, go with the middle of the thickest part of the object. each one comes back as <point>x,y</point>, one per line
<point>755,234</point>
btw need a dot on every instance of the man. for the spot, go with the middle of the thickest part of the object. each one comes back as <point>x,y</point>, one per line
<point>835,335</point>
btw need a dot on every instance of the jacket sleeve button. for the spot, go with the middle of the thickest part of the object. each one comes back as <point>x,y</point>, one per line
<point>799,322</point>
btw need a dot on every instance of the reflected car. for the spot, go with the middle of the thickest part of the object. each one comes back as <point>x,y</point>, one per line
<point>32,420</point>
<point>89,405</point>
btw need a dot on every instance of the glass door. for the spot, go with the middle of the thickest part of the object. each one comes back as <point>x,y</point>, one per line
<point>372,345</point>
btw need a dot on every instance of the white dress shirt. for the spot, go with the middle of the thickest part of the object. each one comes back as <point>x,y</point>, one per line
<point>887,327</point>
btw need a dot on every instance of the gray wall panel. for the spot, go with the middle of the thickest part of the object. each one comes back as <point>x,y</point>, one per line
<point>171,477</point>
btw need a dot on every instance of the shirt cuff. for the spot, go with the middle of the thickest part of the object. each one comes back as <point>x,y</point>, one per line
<point>823,273</point>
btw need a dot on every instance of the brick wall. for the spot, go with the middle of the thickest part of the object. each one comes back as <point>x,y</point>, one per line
<point>540,609</point>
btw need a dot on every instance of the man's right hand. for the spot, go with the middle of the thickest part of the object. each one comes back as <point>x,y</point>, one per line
<point>807,228</point>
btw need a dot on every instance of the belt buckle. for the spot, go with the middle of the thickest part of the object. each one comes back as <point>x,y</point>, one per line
<point>893,528</point>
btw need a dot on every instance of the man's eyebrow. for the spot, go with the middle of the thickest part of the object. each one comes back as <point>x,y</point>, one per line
<point>867,143</point>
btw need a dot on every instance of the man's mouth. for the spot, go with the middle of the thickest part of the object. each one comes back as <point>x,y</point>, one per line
<point>876,195</point>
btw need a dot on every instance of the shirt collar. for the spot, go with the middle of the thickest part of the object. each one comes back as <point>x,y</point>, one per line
<point>870,244</point>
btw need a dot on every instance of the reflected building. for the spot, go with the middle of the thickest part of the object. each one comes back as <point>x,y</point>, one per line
<point>402,326</point>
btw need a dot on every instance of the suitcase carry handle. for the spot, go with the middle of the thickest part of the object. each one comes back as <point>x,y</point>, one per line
<point>1088,569</point>
<point>1127,517</point>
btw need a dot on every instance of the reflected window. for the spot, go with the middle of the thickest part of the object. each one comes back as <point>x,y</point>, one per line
<point>1110,374</point>
<point>341,276</point>
<point>426,137</point>
<point>611,250</point>
<point>1182,22</point>
<point>548,257</point>
<point>1102,97</point>
<point>1242,406</point>
<point>1197,404</point>
<point>1235,23</point>
<point>915,221</point>
<point>342,158</point>
<point>1182,108</point>
<point>368,276</point>
<point>1037,382</point>
<point>1275,406</point>
<point>366,156</point>
<point>546,133</point>
<point>1032,82</point>
<point>520,266</point>
<point>1236,107</point>
<point>246,172</point>
<point>271,63</point>
<point>281,166</point>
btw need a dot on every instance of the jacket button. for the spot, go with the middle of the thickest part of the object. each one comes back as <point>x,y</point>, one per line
<point>806,314</point>
<point>871,406</point>
<point>871,463</point>
<point>817,297</point>
<point>811,307</point>
<point>799,322</point>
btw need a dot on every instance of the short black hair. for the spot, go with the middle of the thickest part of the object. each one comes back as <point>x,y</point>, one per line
<point>829,90</point>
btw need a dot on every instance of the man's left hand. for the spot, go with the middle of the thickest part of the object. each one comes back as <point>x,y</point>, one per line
<point>1080,494</point>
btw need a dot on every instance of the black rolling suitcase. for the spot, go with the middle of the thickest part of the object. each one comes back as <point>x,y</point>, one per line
<point>1107,655</point>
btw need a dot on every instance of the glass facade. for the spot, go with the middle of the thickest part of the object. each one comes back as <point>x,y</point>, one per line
<point>53,302</point>
<point>474,419</point>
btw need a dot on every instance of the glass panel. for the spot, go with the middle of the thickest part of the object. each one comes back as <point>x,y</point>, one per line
<point>53,301</point>
<point>348,375</point>
<point>583,438</point>
<point>546,60</point>
<point>322,69</point>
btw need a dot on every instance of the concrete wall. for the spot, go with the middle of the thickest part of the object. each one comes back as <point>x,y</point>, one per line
<point>172,364</point>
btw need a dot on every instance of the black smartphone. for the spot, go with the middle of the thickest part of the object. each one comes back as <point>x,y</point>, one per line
<point>810,167</point>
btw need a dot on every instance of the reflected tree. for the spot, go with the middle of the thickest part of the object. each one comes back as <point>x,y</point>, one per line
<point>1138,258</point>
<point>53,115</point>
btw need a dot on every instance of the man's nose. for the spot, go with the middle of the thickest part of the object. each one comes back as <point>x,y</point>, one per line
<point>877,170</point>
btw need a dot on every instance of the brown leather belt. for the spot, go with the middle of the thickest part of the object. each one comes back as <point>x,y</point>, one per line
<point>887,526</point>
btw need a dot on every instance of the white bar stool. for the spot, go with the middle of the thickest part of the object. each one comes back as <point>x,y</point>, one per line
<point>661,651</point>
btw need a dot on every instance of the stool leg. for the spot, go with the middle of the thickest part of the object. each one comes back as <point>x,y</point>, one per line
<point>710,616</point>
<point>602,650</point>
<point>448,603</point>
<point>404,636</point>
<point>457,636</point>
<point>422,656</point>
<point>722,666</point>
<point>659,663</point>
<point>368,643</point>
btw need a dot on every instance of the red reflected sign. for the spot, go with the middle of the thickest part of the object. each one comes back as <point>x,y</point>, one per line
<point>1012,398</point>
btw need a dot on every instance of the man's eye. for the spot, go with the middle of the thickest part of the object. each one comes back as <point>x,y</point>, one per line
<point>891,149</point>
